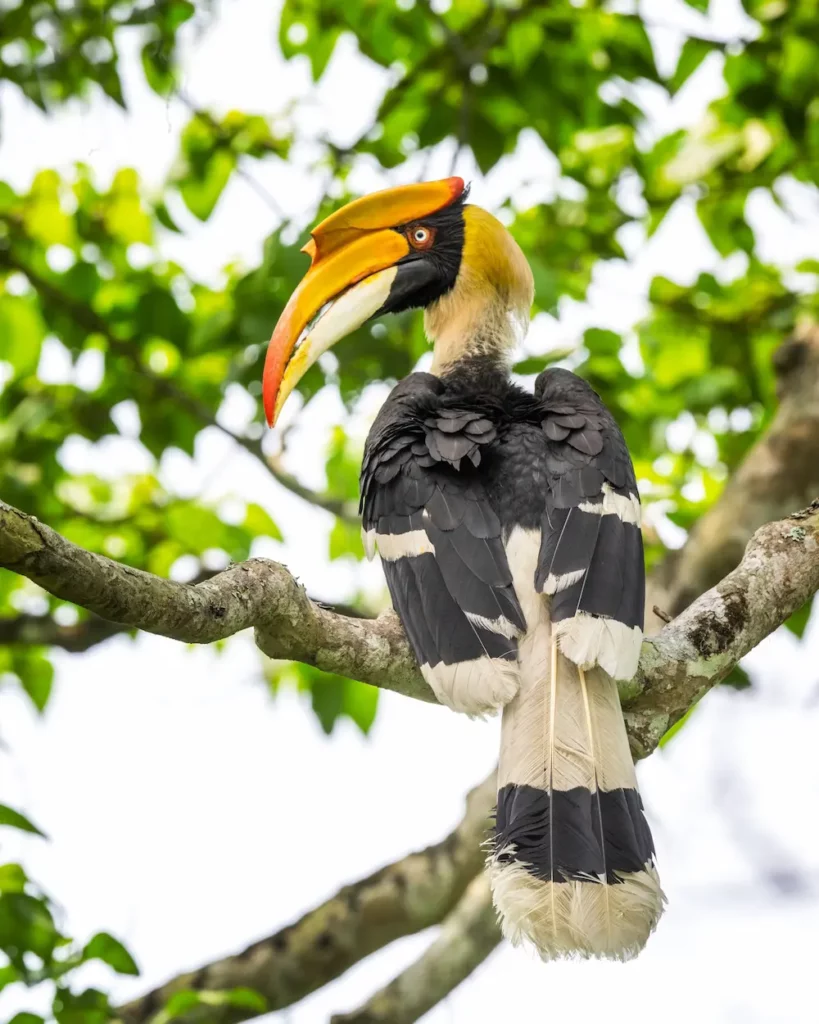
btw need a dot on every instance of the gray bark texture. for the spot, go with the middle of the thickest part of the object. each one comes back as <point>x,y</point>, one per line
<point>778,574</point>
<point>465,940</point>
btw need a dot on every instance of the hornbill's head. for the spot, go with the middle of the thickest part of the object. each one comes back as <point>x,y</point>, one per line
<point>412,246</point>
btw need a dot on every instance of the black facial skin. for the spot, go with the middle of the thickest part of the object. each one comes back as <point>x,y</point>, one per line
<point>426,275</point>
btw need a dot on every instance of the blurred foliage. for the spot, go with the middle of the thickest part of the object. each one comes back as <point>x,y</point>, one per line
<point>37,953</point>
<point>55,50</point>
<point>150,355</point>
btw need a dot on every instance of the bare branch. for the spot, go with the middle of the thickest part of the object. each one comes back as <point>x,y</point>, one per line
<point>90,320</point>
<point>467,937</point>
<point>402,898</point>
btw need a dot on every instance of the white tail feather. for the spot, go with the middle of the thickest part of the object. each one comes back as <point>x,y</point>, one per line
<point>564,729</point>
<point>476,688</point>
<point>564,919</point>
<point>590,640</point>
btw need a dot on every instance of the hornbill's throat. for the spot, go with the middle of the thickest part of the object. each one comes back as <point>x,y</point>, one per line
<point>406,247</point>
<point>373,256</point>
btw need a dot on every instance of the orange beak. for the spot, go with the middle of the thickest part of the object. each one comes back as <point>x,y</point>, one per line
<point>354,256</point>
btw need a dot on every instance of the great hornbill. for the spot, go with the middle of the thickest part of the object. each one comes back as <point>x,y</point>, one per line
<point>508,525</point>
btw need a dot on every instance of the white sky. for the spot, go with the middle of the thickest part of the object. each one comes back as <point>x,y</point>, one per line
<point>190,814</point>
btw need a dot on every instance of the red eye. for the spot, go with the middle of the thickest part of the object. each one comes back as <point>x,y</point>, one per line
<point>420,237</point>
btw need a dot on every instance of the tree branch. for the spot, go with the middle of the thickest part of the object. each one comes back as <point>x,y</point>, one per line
<point>43,631</point>
<point>402,898</point>
<point>467,937</point>
<point>779,573</point>
<point>87,318</point>
<point>258,593</point>
<point>779,474</point>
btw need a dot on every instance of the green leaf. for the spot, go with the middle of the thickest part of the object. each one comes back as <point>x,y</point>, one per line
<point>327,699</point>
<point>164,217</point>
<point>692,55</point>
<point>14,819</point>
<point>201,194</point>
<point>360,703</point>
<point>26,925</point>
<point>737,679</point>
<point>88,1007</point>
<point>181,1002</point>
<point>524,39</point>
<point>21,333</point>
<point>112,952</point>
<point>12,878</point>
<point>537,364</point>
<point>799,620</point>
<point>259,523</point>
<point>9,975</point>
<point>27,1018</point>
<point>195,527</point>
<point>345,539</point>
<point>247,999</point>
<point>602,342</point>
<point>159,72</point>
<point>37,676</point>
<point>680,724</point>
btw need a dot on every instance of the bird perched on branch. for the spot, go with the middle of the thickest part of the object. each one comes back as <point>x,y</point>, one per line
<point>508,526</point>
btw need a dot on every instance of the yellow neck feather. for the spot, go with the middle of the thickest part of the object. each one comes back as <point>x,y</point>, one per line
<point>487,310</point>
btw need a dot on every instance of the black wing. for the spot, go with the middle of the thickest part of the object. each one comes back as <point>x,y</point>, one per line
<point>591,556</point>
<point>424,507</point>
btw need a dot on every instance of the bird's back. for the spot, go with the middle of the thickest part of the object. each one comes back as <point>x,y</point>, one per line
<point>508,526</point>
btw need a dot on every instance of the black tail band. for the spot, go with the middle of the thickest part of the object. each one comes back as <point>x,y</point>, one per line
<point>526,815</point>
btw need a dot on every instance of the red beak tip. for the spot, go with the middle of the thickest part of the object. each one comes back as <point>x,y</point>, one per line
<point>269,405</point>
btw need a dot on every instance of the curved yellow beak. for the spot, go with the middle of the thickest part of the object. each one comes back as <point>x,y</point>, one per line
<point>354,254</point>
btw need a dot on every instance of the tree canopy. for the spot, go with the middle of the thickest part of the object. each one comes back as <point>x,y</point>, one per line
<point>152,354</point>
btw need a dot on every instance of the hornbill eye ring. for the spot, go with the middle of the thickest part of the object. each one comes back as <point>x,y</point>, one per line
<point>421,237</point>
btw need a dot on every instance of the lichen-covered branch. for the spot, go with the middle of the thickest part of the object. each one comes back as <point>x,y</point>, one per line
<point>779,474</point>
<point>259,593</point>
<point>465,940</point>
<point>779,572</point>
<point>403,898</point>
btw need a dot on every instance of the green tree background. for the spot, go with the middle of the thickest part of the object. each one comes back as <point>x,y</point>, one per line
<point>562,113</point>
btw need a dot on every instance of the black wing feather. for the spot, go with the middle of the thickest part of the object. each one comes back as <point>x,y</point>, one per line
<point>588,463</point>
<point>418,474</point>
